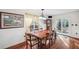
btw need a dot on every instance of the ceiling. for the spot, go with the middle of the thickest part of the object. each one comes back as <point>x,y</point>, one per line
<point>38,11</point>
<point>50,11</point>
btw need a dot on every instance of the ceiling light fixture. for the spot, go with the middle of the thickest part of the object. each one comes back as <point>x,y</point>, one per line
<point>42,14</point>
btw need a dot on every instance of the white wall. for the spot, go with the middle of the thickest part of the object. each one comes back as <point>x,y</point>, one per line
<point>13,36</point>
<point>73,18</point>
<point>10,37</point>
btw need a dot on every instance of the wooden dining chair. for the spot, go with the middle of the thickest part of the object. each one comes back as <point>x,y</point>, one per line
<point>54,36</point>
<point>32,41</point>
<point>49,39</point>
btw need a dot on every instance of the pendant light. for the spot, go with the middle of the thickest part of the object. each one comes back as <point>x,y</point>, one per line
<point>42,15</point>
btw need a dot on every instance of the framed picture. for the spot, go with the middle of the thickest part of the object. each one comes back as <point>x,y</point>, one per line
<point>10,20</point>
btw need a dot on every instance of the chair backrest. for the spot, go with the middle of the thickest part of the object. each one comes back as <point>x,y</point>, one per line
<point>32,39</point>
<point>54,34</point>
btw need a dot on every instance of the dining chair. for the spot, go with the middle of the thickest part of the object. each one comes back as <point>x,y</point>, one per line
<point>47,40</point>
<point>50,39</point>
<point>32,41</point>
<point>54,36</point>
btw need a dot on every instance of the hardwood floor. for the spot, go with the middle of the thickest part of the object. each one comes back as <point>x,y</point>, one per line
<point>60,44</point>
<point>17,46</point>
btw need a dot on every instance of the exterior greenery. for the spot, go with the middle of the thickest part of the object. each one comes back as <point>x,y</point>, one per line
<point>62,25</point>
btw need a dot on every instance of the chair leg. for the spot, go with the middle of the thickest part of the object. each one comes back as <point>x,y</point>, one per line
<point>45,43</point>
<point>49,43</point>
<point>38,43</point>
<point>30,44</point>
<point>54,40</point>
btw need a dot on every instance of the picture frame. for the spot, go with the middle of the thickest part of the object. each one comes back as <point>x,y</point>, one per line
<point>11,20</point>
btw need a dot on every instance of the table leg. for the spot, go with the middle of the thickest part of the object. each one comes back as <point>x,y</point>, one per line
<point>38,43</point>
<point>49,43</point>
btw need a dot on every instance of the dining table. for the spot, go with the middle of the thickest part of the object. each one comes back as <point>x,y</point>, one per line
<point>40,35</point>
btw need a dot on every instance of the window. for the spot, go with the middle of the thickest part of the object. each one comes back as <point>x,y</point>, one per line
<point>34,26</point>
<point>59,25</point>
<point>62,25</point>
<point>42,23</point>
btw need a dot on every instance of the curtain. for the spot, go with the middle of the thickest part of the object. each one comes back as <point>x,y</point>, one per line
<point>28,21</point>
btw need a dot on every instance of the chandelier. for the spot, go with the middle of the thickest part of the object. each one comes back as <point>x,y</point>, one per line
<point>42,14</point>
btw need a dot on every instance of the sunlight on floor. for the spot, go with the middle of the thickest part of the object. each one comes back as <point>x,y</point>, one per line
<point>65,40</point>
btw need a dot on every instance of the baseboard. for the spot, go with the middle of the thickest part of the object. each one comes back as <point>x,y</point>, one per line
<point>17,46</point>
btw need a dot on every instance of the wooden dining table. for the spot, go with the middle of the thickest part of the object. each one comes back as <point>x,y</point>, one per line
<point>40,35</point>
